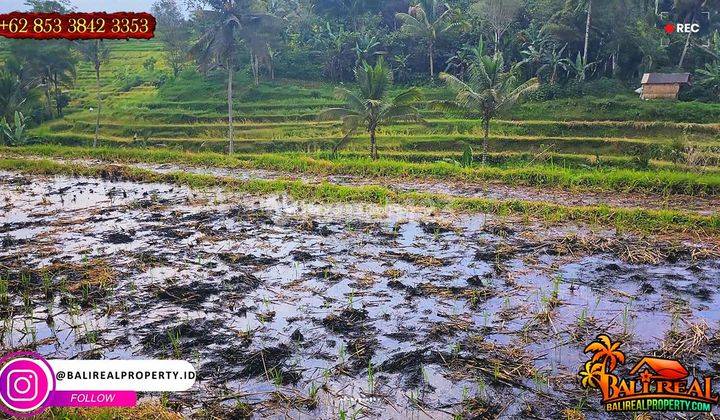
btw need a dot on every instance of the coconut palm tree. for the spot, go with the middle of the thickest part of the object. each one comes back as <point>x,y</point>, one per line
<point>232,21</point>
<point>489,89</point>
<point>428,20</point>
<point>605,352</point>
<point>370,107</point>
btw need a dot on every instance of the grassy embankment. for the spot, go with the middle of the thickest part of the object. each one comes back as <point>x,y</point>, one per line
<point>655,221</point>
<point>663,182</point>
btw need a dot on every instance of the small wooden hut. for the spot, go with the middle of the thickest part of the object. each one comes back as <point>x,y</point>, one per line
<point>663,85</point>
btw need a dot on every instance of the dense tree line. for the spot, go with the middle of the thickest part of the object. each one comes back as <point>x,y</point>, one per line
<point>563,46</point>
<point>554,40</point>
<point>488,52</point>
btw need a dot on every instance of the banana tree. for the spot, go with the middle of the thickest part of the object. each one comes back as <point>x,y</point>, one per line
<point>709,76</point>
<point>579,67</point>
<point>553,62</point>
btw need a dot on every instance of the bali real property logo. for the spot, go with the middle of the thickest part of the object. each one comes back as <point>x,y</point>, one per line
<point>655,384</point>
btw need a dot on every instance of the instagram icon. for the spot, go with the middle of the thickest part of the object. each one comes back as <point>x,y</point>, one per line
<point>25,383</point>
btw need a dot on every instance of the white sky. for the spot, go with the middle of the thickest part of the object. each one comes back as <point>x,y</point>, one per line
<point>88,5</point>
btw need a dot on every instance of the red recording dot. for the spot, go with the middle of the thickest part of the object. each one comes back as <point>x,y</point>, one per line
<point>670,28</point>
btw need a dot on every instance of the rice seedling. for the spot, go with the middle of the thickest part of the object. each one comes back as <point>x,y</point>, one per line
<point>4,295</point>
<point>175,343</point>
<point>371,378</point>
<point>276,377</point>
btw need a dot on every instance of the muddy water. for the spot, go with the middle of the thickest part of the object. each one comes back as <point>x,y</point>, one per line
<point>385,311</point>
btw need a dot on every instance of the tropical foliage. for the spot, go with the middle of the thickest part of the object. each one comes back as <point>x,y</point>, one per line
<point>369,108</point>
<point>489,89</point>
<point>427,21</point>
<point>230,22</point>
<point>562,45</point>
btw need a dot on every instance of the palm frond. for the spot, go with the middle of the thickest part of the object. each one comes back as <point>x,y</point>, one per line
<point>407,97</point>
<point>335,114</point>
<point>351,123</point>
<point>400,113</point>
<point>446,106</point>
<point>456,85</point>
<point>410,25</point>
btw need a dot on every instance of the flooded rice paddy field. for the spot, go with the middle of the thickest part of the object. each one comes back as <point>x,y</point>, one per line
<point>310,310</point>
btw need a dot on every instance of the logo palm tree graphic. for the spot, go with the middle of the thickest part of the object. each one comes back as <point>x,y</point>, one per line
<point>605,358</point>
<point>591,375</point>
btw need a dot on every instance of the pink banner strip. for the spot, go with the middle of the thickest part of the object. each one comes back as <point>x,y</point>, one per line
<point>93,399</point>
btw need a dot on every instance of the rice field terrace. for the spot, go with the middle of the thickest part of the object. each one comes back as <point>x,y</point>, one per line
<point>306,284</point>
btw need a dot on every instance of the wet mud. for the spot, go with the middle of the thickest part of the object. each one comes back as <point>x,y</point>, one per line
<point>307,310</point>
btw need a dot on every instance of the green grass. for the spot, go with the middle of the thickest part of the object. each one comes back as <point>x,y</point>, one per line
<point>662,182</point>
<point>631,219</point>
<point>213,141</point>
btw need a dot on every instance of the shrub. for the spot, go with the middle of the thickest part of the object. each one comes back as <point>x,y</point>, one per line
<point>575,88</point>
<point>131,82</point>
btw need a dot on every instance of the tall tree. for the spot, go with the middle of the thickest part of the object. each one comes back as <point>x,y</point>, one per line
<point>428,20</point>
<point>489,89</point>
<point>47,6</point>
<point>53,61</point>
<point>230,21</point>
<point>263,43</point>
<point>173,32</point>
<point>587,32</point>
<point>689,11</point>
<point>498,14</point>
<point>97,53</point>
<point>60,73</point>
<point>371,107</point>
